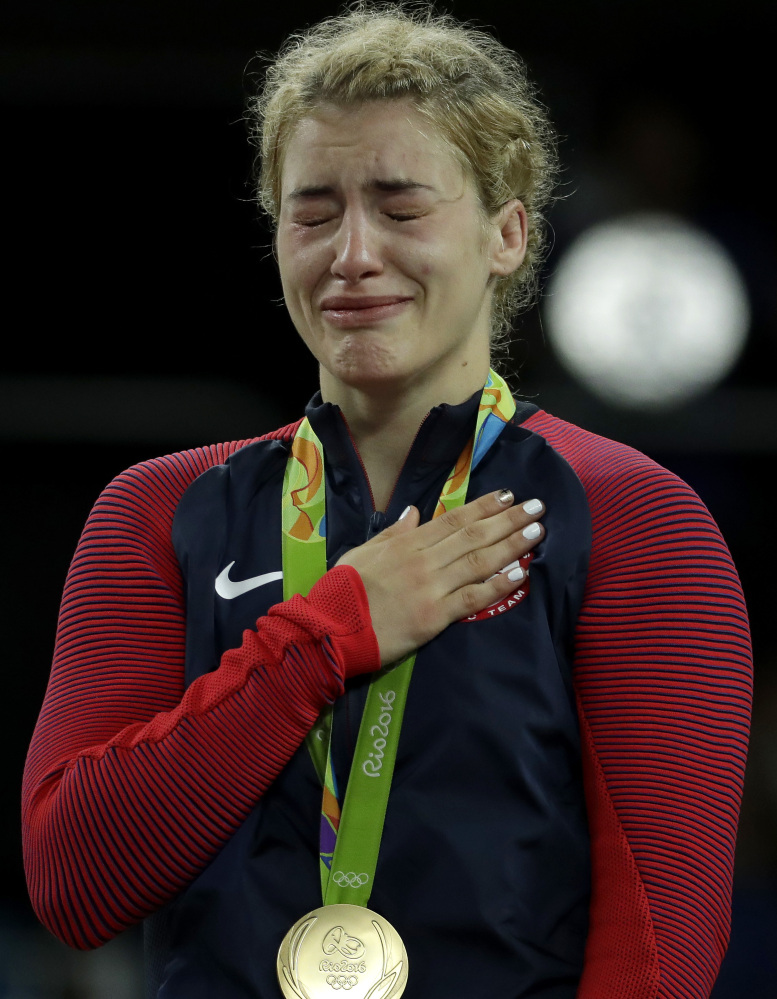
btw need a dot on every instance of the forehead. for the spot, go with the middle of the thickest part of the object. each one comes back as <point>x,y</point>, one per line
<point>373,141</point>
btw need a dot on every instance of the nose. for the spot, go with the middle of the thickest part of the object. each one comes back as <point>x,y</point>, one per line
<point>357,250</point>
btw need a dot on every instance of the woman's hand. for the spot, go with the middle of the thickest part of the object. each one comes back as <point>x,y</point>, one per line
<point>421,579</point>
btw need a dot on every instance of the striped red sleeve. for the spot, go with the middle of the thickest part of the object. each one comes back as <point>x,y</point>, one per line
<point>663,674</point>
<point>132,785</point>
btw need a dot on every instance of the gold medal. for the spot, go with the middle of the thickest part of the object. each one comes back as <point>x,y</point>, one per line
<point>342,948</point>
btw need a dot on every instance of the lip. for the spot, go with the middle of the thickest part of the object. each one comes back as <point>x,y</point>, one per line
<point>351,311</point>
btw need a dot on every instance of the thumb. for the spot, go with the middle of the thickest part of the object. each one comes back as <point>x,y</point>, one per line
<point>407,520</point>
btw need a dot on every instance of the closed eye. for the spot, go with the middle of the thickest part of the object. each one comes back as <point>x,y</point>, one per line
<point>311,223</point>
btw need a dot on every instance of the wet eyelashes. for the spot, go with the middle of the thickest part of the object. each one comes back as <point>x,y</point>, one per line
<point>394,216</point>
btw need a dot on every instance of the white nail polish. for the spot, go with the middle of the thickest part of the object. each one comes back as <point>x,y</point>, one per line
<point>404,513</point>
<point>516,574</point>
<point>512,565</point>
<point>531,532</point>
<point>532,507</point>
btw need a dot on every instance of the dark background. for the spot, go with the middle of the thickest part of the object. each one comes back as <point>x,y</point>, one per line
<point>142,315</point>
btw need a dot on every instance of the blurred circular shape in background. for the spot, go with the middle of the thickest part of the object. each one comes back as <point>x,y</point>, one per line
<point>647,311</point>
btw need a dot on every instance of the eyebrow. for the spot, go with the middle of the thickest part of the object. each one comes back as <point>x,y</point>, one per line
<point>384,186</point>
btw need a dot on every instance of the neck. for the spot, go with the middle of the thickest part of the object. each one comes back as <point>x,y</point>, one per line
<point>384,423</point>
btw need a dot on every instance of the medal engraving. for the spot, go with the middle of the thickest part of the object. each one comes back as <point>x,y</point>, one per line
<point>342,948</point>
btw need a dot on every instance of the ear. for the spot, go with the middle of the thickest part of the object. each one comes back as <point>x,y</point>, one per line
<point>508,247</point>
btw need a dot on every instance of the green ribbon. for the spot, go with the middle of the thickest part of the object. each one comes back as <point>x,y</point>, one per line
<point>350,841</point>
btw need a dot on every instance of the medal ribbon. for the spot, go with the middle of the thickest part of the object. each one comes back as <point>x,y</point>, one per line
<point>350,842</point>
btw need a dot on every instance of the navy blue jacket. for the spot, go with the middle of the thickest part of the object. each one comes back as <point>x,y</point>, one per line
<point>484,863</point>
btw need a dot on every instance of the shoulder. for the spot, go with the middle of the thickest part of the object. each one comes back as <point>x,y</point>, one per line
<point>620,482</point>
<point>156,486</point>
<point>129,530</point>
<point>132,519</point>
<point>596,459</point>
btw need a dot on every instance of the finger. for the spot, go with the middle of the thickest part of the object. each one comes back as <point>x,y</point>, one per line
<point>407,521</point>
<point>482,564</point>
<point>454,520</point>
<point>470,599</point>
<point>474,538</point>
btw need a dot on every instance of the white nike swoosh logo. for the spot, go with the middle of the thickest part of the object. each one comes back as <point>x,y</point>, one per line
<point>230,588</point>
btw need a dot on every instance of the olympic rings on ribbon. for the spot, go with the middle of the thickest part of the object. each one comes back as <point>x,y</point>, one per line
<point>350,880</point>
<point>344,982</point>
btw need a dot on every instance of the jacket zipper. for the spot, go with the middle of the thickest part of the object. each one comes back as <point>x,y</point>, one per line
<point>401,469</point>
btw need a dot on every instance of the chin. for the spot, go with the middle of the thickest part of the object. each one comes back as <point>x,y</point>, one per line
<point>359,362</point>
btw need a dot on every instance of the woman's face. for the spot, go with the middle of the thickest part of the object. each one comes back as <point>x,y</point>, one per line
<point>385,259</point>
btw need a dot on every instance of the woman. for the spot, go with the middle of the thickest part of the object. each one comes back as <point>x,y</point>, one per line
<point>565,794</point>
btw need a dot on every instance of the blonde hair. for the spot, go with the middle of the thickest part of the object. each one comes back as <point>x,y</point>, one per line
<point>466,83</point>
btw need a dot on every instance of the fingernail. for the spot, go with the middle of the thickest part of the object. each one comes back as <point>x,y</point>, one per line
<point>531,532</point>
<point>516,574</point>
<point>504,496</point>
<point>512,565</point>
<point>532,507</point>
<point>404,513</point>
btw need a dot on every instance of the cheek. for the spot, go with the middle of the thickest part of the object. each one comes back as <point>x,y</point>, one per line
<point>281,254</point>
<point>296,265</point>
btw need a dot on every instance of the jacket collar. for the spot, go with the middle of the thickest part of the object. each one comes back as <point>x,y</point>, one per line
<point>438,443</point>
<point>440,438</point>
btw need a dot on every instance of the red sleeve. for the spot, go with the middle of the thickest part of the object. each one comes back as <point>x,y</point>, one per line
<point>132,785</point>
<point>663,675</point>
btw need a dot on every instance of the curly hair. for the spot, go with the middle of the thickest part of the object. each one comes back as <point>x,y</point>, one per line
<point>473,89</point>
